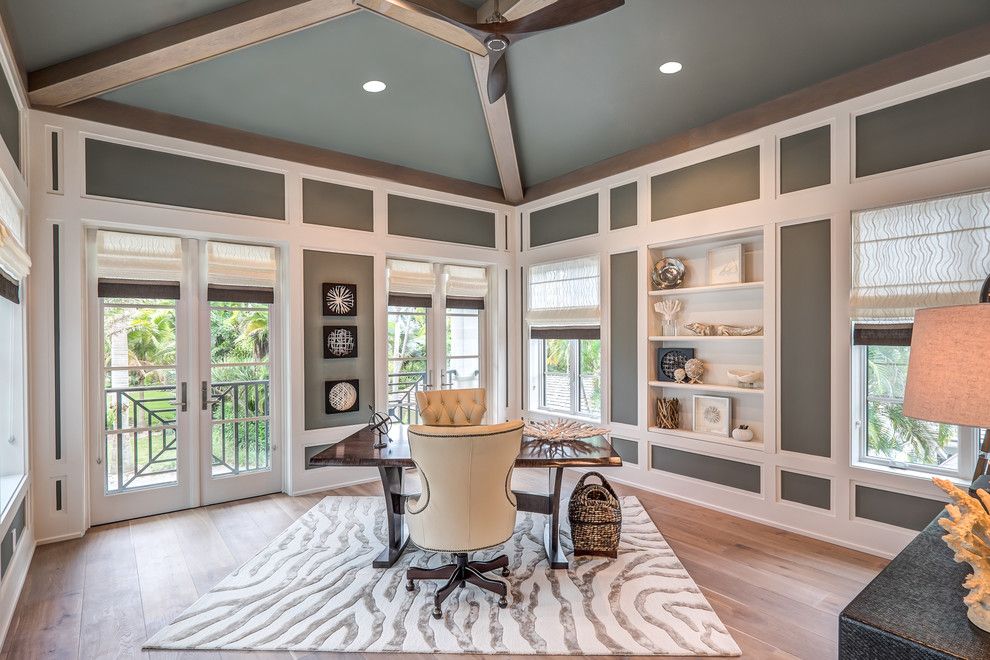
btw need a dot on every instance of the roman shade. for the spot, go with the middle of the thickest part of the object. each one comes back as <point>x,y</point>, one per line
<point>932,253</point>
<point>15,264</point>
<point>564,298</point>
<point>138,265</point>
<point>465,287</point>
<point>410,283</point>
<point>241,273</point>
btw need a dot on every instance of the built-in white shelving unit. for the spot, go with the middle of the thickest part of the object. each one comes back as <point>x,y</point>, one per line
<point>737,303</point>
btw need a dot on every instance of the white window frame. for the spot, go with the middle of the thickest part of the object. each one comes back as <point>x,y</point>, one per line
<point>574,376</point>
<point>969,438</point>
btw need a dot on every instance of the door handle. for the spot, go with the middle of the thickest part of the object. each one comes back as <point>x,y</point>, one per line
<point>182,403</point>
<point>204,391</point>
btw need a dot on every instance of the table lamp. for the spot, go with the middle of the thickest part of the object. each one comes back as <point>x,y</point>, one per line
<point>948,377</point>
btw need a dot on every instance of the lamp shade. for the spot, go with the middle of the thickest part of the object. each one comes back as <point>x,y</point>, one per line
<point>948,377</point>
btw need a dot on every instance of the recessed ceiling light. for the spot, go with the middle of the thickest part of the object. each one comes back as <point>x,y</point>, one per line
<point>374,86</point>
<point>670,67</point>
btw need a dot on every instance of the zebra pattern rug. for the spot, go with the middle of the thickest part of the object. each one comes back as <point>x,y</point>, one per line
<point>313,589</point>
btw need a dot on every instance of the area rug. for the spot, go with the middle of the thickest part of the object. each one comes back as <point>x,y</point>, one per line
<point>313,589</point>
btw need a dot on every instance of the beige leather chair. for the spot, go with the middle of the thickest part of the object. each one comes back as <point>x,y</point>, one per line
<point>466,504</point>
<point>452,407</point>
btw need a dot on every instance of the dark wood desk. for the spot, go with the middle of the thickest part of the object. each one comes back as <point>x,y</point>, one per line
<point>356,450</point>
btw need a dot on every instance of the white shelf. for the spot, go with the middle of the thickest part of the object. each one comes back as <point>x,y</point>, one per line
<point>712,338</point>
<point>712,288</point>
<point>754,444</point>
<point>729,389</point>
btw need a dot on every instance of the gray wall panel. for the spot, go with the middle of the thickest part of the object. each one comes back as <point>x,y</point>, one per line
<point>707,468</point>
<point>623,206</point>
<point>419,218</point>
<point>805,338</point>
<point>10,120</point>
<point>908,511</point>
<point>7,544</point>
<point>573,219</point>
<point>125,172</point>
<point>934,127</point>
<point>334,205</point>
<point>721,181</point>
<point>624,376</point>
<point>627,449</point>
<point>805,489</point>
<point>806,159</point>
<point>320,267</point>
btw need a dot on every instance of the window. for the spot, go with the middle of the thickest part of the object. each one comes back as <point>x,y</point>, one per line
<point>565,348</point>
<point>888,286</point>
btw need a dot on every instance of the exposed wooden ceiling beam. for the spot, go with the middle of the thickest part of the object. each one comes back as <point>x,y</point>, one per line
<point>500,132</point>
<point>160,123</point>
<point>176,46</point>
<point>414,17</point>
<point>938,55</point>
<point>511,9</point>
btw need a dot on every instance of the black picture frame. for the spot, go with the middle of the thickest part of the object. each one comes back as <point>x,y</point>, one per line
<point>328,388</point>
<point>339,299</point>
<point>340,342</point>
<point>669,359</point>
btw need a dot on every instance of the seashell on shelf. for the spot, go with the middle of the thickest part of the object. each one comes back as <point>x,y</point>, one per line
<point>722,330</point>
<point>679,375</point>
<point>694,369</point>
<point>746,377</point>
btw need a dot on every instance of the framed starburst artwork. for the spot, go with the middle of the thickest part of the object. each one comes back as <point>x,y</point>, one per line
<point>339,299</point>
<point>339,342</point>
<point>712,415</point>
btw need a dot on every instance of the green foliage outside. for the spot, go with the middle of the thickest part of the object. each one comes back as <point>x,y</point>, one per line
<point>890,433</point>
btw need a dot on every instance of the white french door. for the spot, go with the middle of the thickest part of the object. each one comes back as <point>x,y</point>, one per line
<point>436,332</point>
<point>184,403</point>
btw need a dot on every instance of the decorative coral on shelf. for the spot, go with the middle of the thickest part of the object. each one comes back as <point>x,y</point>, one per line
<point>968,534</point>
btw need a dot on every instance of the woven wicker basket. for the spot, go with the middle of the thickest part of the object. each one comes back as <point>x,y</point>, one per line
<point>595,514</point>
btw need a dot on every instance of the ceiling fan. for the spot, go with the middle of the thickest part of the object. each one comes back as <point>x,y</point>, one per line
<point>496,33</point>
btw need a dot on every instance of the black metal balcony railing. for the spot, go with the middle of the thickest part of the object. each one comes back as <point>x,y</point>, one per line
<point>401,392</point>
<point>141,440</point>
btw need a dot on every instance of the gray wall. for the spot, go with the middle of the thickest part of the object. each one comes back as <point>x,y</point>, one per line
<point>744,476</point>
<point>806,159</point>
<point>7,544</point>
<point>10,120</point>
<point>578,217</point>
<point>623,206</point>
<point>805,338</point>
<point>805,489</point>
<point>124,172</point>
<point>934,127</point>
<point>721,181</point>
<point>334,205</point>
<point>320,267</point>
<point>908,511</point>
<point>627,449</point>
<point>624,375</point>
<point>419,218</point>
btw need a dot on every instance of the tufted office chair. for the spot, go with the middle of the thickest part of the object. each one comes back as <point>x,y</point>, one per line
<point>452,407</point>
<point>466,504</point>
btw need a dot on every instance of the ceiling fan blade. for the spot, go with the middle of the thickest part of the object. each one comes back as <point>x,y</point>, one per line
<point>559,14</point>
<point>498,76</point>
<point>442,19</point>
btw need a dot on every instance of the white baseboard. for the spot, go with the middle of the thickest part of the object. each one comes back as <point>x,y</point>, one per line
<point>317,489</point>
<point>60,537</point>
<point>13,582</point>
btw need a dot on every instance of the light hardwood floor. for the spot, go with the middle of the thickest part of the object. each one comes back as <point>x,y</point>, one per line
<point>102,595</point>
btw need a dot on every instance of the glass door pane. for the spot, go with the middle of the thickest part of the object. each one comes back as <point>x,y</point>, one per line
<point>462,368</point>
<point>407,355</point>
<point>141,443</point>
<point>239,396</point>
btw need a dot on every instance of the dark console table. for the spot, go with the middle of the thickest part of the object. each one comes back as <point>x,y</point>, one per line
<point>914,609</point>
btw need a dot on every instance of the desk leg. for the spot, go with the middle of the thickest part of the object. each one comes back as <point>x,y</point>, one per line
<point>398,536</point>
<point>551,536</point>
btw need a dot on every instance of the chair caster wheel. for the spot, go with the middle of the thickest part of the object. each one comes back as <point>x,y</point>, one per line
<point>410,586</point>
<point>503,603</point>
<point>505,572</point>
<point>437,614</point>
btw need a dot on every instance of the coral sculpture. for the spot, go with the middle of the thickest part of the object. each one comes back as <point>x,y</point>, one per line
<point>668,309</point>
<point>968,534</point>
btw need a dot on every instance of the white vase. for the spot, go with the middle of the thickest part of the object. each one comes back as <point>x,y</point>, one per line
<point>742,435</point>
<point>670,328</point>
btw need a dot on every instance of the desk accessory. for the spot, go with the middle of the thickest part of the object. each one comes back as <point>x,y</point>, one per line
<point>380,424</point>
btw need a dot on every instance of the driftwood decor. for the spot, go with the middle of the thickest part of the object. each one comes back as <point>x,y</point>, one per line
<point>968,534</point>
<point>555,430</point>
<point>668,413</point>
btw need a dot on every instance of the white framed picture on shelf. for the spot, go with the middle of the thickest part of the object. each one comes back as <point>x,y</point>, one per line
<point>725,264</point>
<point>711,414</point>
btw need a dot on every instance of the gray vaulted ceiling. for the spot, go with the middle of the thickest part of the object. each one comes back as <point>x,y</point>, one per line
<point>578,94</point>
